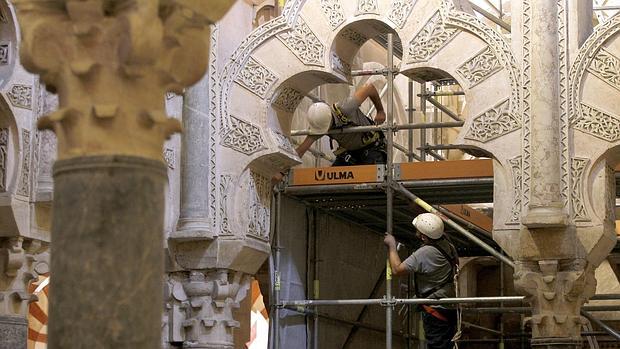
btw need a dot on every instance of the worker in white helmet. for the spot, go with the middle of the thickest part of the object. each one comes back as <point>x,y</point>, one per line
<point>434,266</point>
<point>353,148</point>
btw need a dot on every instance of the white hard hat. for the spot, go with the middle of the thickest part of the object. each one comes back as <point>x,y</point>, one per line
<point>429,224</point>
<point>319,117</point>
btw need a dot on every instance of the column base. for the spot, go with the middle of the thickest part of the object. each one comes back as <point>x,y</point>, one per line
<point>189,229</point>
<point>556,343</point>
<point>545,217</point>
<point>14,332</point>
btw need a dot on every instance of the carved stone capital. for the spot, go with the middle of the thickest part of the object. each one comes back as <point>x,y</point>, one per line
<point>211,297</point>
<point>111,63</point>
<point>556,291</point>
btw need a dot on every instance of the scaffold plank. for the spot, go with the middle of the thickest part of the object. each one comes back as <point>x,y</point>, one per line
<point>443,170</point>
<point>337,175</point>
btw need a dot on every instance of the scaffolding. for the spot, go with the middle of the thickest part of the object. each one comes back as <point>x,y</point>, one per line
<point>392,186</point>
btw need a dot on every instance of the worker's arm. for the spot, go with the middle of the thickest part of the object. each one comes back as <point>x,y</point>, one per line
<point>369,91</point>
<point>398,268</point>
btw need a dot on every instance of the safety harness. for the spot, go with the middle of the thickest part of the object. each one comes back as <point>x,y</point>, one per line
<point>341,120</point>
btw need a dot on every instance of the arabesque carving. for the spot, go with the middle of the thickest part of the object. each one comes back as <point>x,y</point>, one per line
<point>598,124</point>
<point>400,11</point>
<point>20,96</point>
<point>433,36</point>
<point>23,186</point>
<point>256,78</point>
<point>333,12</point>
<point>606,66</point>
<point>493,123</point>
<point>243,137</point>
<point>340,66</point>
<point>515,212</point>
<point>225,182</point>
<point>578,167</point>
<point>367,6</point>
<point>5,54</point>
<point>4,155</point>
<point>288,99</point>
<point>353,36</point>
<point>259,206</point>
<point>304,43</point>
<point>170,158</point>
<point>480,67</point>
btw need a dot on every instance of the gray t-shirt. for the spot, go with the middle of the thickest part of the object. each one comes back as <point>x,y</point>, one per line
<point>348,114</point>
<point>432,269</point>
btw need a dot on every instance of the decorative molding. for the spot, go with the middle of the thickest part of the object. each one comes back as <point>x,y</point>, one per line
<point>340,66</point>
<point>578,166</point>
<point>304,44</point>
<point>515,213</point>
<point>367,6</point>
<point>480,67</point>
<point>563,95</point>
<point>20,96</point>
<point>430,39</point>
<point>598,124</point>
<point>256,78</point>
<point>400,11</point>
<point>288,99</point>
<point>283,142</point>
<point>4,155</point>
<point>213,126</point>
<point>24,179</point>
<point>493,123</point>
<point>353,36</point>
<point>5,53</point>
<point>259,206</point>
<point>225,181</point>
<point>170,95</point>
<point>333,12</point>
<point>526,93</point>
<point>170,158</point>
<point>606,66</point>
<point>243,137</point>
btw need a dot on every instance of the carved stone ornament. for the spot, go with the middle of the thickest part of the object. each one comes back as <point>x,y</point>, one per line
<point>340,66</point>
<point>493,123</point>
<point>259,206</point>
<point>18,261</point>
<point>480,67</point>
<point>353,36</point>
<point>170,158</point>
<point>5,53</point>
<point>430,39</point>
<point>333,12</point>
<point>20,96</point>
<point>515,212</point>
<point>4,154</point>
<point>256,78</point>
<point>243,137</point>
<point>606,67</point>
<point>225,182</point>
<point>304,43</point>
<point>598,124</point>
<point>288,99</point>
<point>157,46</point>
<point>24,177</point>
<point>283,142</point>
<point>400,11</point>
<point>578,166</point>
<point>367,6</point>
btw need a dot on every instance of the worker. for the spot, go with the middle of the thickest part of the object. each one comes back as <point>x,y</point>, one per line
<point>353,148</point>
<point>434,266</point>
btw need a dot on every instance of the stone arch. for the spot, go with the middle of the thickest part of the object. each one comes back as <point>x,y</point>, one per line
<point>8,43</point>
<point>268,71</point>
<point>10,148</point>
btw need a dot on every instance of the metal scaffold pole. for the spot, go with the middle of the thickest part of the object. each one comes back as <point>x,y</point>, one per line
<point>389,179</point>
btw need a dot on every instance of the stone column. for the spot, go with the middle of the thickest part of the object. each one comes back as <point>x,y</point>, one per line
<point>545,204</point>
<point>194,215</point>
<point>111,63</point>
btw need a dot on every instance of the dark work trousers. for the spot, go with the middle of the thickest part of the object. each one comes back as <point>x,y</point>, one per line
<point>439,333</point>
<point>365,156</point>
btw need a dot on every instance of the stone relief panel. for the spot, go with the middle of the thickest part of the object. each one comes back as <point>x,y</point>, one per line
<point>304,44</point>
<point>598,124</point>
<point>20,96</point>
<point>4,153</point>
<point>288,99</point>
<point>225,182</point>
<point>169,158</point>
<point>606,67</point>
<point>433,36</point>
<point>333,12</point>
<point>493,123</point>
<point>353,36</point>
<point>256,78</point>
<point>367,6</point>
<point>578,166</point>
<point>400,11</point>
<point>243,137</point>
<point>24,178</point>
<point>340,66</point>
<point>515,167</point>
<point>5,53</point>
<point>259,206</point>
<point>283,142</point>
<point>480,67</point>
